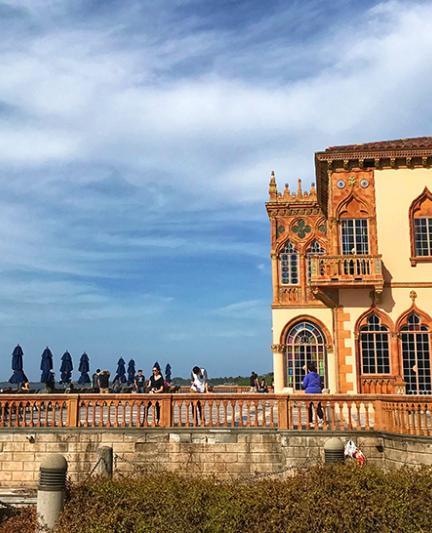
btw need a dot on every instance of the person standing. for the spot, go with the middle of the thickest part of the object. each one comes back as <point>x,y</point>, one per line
<point>253,382</point>
<point>139,381</point>
<point>103,381</point>
<point>156,386</point>
<point>95,380</point>
<point>312,385</point>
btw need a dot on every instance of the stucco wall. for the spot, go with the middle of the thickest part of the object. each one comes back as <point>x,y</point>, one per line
<point>395,190</point>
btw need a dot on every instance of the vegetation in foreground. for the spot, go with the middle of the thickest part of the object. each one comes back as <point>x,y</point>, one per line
<point>320,499</point>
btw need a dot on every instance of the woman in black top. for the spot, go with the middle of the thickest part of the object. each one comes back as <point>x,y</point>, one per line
<point>156,386</point>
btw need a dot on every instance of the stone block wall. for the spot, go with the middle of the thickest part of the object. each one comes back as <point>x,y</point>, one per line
<point>236,453</point>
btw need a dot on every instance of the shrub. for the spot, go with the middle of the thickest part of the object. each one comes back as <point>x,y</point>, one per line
<point>332,498</point>
<point>327,498</point>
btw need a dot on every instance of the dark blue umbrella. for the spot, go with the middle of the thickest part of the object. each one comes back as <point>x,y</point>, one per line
<point>168,373</point>
<point>131,371</point>
<point>46,366</point>
<point>18,375</point>
<point>84,368</point>
<point>157,365</point>
<point>66,368</point>
<point>121,371</point>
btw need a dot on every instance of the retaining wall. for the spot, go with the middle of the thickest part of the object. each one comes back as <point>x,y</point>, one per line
<point>222,453</point>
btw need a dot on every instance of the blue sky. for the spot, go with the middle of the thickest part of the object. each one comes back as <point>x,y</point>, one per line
<point>136,143</point>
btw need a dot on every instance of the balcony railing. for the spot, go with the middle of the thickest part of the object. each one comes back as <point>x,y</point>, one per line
<point>347,271</point>
<point>404,415</point>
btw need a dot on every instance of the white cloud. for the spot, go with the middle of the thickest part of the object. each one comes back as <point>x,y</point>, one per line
<point>125,138</point>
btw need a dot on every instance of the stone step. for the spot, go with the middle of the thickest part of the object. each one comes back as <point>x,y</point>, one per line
<point>17,497</point>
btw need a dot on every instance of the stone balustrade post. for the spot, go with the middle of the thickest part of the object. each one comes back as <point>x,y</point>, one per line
<point>278,368</point>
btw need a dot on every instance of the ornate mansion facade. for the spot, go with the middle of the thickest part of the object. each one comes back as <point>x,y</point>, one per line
<point>352,270</point>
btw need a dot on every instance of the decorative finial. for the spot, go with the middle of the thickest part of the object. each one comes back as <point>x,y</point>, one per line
<point>286,191</point>
<point>272,186</point>
<point>413,296</point>
<point>313,190</point>
<point>299,188</point>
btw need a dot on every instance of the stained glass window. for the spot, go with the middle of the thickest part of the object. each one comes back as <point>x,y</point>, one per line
<point>289,265</point>
<point>304,344</point>
<point>374,345</point>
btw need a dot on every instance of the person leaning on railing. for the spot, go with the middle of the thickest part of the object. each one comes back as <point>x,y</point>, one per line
<point>312,385</point>
<point>200,385</point>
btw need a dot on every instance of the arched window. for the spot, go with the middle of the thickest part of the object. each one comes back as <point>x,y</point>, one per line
<point>354,226</point>
<point>314,249</point>
<point>289,264</point>
<point>421,228</point>
<point>374,346</point>
<point>415,343</point>
<point>304,344</point>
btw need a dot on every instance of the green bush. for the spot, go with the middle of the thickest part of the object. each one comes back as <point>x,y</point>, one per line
<point>320,499</point>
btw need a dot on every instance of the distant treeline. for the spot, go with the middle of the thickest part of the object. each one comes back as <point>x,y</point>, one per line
<point>231,380</point>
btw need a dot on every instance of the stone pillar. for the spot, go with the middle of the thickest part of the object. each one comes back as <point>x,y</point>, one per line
<point>275,278</point>
<point>105,461</point>
<point>51,490</point>
<point>278,367</point>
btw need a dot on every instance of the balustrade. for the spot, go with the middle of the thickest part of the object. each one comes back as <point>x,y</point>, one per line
<point>342,270</point>
<point>405,415</point>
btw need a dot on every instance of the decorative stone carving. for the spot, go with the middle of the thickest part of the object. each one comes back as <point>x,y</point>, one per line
<point>278,348</point>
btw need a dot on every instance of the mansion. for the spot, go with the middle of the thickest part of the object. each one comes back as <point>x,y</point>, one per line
<point>352,270</point>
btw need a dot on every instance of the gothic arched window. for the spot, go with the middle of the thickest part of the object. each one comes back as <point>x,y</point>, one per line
<point>314,249</point>
<point>421,228</point>
<point>304,344</point>
<point>289,264</point>
<point>374,347</point>
<point>415,344</point>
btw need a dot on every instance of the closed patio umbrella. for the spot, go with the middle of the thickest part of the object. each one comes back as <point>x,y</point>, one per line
<point>121,371</point>
<point>66,368</point>
<point>84,368</point>
<point>168,372</point>
<point>18,377</point>
<point>46,366</point>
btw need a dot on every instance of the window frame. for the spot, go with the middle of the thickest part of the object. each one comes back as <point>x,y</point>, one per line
<point>355,234</point>
<point>414,340</point>
<point>289,255</point>
<point>420,208</point>
<point>309,255</point>
<point>363,332</point>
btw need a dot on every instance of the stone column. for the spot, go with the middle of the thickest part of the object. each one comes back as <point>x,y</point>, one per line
<point>278,367</point>
<point>275,278</point>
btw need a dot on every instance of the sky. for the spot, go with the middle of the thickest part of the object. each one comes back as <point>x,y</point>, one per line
<point>136,143</point>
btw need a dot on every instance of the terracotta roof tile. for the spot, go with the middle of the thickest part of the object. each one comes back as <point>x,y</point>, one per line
<point>417,143</point>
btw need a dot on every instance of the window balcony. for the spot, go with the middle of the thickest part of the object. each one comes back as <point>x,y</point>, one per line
<point>347,271</point>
